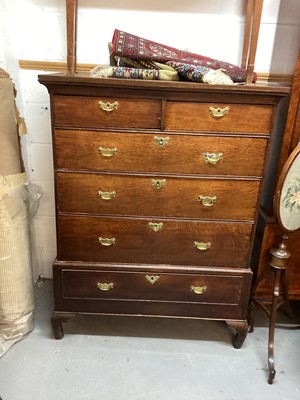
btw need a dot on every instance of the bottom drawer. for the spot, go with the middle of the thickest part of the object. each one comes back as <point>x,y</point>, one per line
<point>160,293</point>
<point>222,289</point>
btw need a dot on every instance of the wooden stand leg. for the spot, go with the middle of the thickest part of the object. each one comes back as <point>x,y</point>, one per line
<point>56,320</point>
<point>278,258</point>
<point>253,301</point>
<point>278,261</point>
<point>247,35</point>
<point>258,4</point>
<point>272,322</point>
<point>71,22</point>
<point>250,316</point>
<point>252,25</point>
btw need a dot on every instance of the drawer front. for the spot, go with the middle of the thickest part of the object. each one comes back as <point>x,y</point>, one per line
<point>157,196</point>
<point>157,241</point>
<point>91,112</point>
<point>186,154</point>
<point>211,117</point>
<point>204,288</point>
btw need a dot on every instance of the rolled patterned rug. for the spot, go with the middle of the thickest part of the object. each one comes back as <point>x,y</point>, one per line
<point>147,53</point>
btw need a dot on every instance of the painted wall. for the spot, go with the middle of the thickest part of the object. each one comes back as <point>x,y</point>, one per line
<point>35,30</point>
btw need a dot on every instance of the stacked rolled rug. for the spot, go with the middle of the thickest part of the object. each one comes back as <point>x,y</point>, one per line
<point>134,57</point>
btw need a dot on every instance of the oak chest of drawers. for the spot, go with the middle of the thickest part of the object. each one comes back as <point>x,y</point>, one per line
<point>157,192</point>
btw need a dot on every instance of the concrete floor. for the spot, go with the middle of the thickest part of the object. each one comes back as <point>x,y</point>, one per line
<point>112,358</point>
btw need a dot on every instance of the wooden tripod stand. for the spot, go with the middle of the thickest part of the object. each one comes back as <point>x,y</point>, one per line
<point>287,212</point>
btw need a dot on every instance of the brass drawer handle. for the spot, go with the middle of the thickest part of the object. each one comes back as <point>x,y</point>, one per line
<point>106,241</point>
<point>107,106</point>
<point>106,152</point>
<point>161,141</point>
<point>106,195</point>
<point>158,183</point>
<point>155,226</point>
<point>202,246</point>
<point>105,286</point>
<point>152,278</point>
<point>218,112</point>
<point>198,289</point>
<point>212,158</point>
<point>207,201</point>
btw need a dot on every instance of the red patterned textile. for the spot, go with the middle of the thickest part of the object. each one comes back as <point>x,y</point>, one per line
<point>136,48</point>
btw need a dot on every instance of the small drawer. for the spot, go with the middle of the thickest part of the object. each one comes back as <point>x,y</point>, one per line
<point>92,112</point>
<point>159,153</point>
<point>212,117</point>
<point>225,199</point>
<point>225,289</point>
<point>154,240</point>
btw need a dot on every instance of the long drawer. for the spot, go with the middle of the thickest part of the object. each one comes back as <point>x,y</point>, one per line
<point>157,241</point>
<point>156,153</point>
<point>93,112</point>
<point>211,117</point>
<point>220,289</point>
<point>206,294</point>
<point>157,196</point>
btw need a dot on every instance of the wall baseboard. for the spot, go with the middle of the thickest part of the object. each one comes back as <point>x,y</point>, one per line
<point>52,65</point>
<point>81,67</point>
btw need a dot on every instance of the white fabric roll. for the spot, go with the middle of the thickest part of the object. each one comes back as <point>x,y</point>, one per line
<point>16,285</point>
